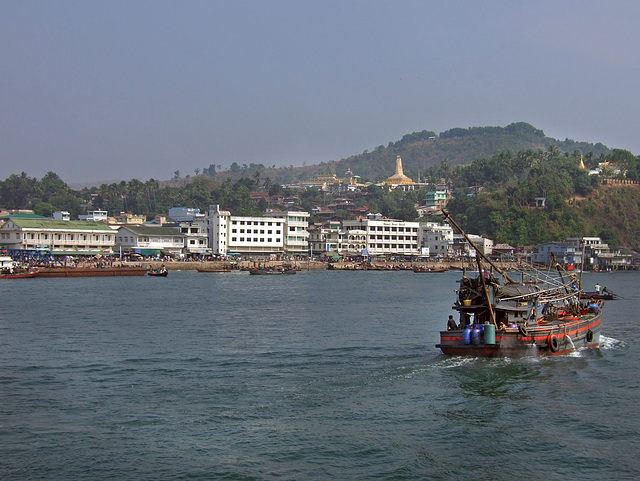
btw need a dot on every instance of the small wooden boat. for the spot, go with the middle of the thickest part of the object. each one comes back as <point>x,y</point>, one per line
<point>213,269</point>
<point>19,275</point>
<point>270,271</point>
<point>429,269</point>
<point>158,273</point>
<point>602,295</point>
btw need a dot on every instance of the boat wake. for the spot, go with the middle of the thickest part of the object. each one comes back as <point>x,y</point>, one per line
<point>611,344</point>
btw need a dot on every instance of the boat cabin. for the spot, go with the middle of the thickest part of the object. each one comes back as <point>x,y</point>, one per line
<point>7,264</point>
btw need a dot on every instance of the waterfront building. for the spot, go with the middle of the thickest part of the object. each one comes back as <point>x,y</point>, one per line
<point>385,236</point>
<point>436,239</point>
<point>326,237</point>
<point>149,240</point>
<point>564,253</point>
<point>196,238</point>
<point>58,236</point>
<point>296,226</point>
<point>244,235</point>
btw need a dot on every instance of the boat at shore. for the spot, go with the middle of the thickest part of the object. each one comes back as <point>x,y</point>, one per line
<point>429,269</point>
<point>271,271</point>
<point>91,271</point>
<point>19,275</point>
<point>499,317</point>
<point>214,269</point>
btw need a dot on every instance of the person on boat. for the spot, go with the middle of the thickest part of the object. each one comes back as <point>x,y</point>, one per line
<point>451,324</point>
<point>597,286</point>
<point>593,306</point>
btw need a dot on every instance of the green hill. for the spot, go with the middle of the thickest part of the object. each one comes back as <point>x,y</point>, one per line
<point>421,151</point>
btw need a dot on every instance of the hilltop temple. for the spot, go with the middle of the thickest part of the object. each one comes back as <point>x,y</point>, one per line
<point>399,179</point>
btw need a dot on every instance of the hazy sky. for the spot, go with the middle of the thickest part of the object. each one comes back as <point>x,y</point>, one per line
<point>105,90</point>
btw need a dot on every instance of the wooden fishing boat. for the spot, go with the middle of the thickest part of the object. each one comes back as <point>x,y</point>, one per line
<point>213,269</point>
<point>91,271</point>
<point>429,269</point>
<point>270,271</point>
<point>499,317</point>
<point>158,273</point>
<point>19,275</point>
<point>603,295</point>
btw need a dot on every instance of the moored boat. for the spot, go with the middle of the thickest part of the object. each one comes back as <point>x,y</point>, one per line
<point>91,271</point>
<point>271,271</point>
<point>429,269</point>
<point>19,275</point>
<point>499,317</point>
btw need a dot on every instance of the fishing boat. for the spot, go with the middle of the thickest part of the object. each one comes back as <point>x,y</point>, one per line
<point>429,269</point>
<point>18,275</point>
<point>499,317</point>
<point>600,293</point>
<point>271,271</point>
<point>213,269</point>
<point>158,273</point>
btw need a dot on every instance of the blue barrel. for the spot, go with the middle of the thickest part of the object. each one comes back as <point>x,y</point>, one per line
<point>476,335</point>
<point>489,334</point>
<point>466,336</point>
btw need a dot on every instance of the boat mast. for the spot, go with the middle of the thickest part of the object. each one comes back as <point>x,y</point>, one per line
<point>453,223</point>
<point>486,292</point>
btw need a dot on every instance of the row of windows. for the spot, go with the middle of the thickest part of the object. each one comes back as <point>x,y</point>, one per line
<point>384,229</point>
<point>62,237</point>
<point>394,246</point>
<point>255,231</point>
<point>248,222</point>
<point>254,239</point>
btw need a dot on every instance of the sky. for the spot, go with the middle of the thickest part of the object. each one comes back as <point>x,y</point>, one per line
<point>100,91</point>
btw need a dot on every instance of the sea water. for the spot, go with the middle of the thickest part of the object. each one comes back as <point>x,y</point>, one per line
<point>319,375</point>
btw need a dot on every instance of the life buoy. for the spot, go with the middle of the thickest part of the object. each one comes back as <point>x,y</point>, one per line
<point>554,344</point>
<point>523,331</point>
<point>589,335</point>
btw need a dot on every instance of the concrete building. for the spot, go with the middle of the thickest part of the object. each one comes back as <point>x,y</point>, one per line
<point>386,236</point>
<point>244,235</point>
<point>436,239</point>
<point>149,240</point>
<point>94,216</point>
<point>58,236</point>
<point>296,237</point>
<point>564,253</point>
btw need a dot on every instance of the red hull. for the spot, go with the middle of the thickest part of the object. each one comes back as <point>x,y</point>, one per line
<point>555,339</point>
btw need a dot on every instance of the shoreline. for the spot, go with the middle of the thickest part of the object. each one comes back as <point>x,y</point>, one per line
<point>312,265</point>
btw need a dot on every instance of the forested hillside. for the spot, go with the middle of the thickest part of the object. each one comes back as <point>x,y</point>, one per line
<point>494,173</point>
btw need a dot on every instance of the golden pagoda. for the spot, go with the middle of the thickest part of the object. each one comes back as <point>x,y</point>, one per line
<point>398,177</point>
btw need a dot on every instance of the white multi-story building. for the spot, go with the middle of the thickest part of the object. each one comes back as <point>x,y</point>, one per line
<point>386,236</point>
<point>296,238</point>
<point>57,236</point>
<point>196,238</point>
<point>245,235</point>
<point>149,240</point>
<point>436,239</point>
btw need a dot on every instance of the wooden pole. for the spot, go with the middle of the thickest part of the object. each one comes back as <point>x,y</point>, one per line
<point>453,223</point>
